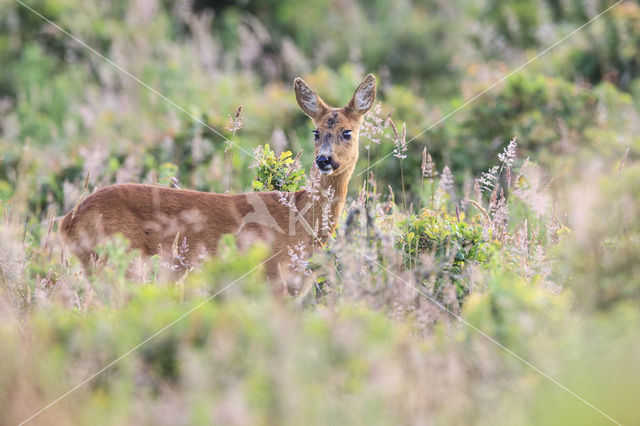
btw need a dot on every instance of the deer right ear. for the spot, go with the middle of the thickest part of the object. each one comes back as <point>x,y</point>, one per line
<point>308,100</point>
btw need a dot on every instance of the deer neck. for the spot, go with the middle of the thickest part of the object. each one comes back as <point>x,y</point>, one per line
<point>339,185</point>
<point>328,203</point>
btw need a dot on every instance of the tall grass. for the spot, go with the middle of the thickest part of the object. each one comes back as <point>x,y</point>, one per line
<point>539,250</point>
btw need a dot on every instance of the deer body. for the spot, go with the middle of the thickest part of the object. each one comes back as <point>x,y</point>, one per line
<point>155,218</point>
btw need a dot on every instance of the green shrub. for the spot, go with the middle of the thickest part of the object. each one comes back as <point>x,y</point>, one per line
<point>533,108</point>
<point>277,173</point>
<point>453,244</point>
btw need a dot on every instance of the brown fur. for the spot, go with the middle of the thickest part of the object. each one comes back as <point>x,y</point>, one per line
<point>151,217</point>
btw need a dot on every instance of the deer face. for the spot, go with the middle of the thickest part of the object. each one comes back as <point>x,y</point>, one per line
<point>337,129</point>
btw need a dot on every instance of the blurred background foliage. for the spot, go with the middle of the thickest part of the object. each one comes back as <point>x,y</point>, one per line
<point>209,57</point>
<point>545,262</point>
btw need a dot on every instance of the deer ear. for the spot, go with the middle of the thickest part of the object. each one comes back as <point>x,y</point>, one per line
<point>363,98</point>
<point>308,100</point>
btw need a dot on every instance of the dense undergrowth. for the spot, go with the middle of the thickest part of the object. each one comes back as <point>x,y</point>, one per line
<point>451,268</point>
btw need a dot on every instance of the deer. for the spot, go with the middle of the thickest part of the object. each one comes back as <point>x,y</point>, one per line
<point>155,218</point>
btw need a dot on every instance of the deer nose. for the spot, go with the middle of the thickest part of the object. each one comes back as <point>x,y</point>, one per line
<point>323,162</point>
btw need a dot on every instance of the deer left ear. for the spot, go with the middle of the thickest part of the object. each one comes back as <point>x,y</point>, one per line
<point>363,98</point>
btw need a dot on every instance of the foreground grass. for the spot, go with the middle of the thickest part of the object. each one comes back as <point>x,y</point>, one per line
<point>362,347</point>
<point>544,261</point>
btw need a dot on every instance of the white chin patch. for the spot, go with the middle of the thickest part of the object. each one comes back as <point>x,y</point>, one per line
<point>327,171</point>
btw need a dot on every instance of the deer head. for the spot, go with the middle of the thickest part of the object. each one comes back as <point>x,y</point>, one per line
<point>337,129</point>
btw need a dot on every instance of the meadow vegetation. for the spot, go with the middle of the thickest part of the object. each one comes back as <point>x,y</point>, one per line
<point>476,271</point>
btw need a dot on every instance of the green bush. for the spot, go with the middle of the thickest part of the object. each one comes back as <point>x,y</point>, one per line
<point>277,173</point>
<point>534,109</point>
<point>606,50</point>
<point>454,244</point>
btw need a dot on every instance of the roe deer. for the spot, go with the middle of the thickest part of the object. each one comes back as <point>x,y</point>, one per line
<point>154,217</point>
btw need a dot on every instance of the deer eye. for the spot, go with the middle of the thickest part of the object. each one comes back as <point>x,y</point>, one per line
<point>346,134</point>
<point>316,135</point>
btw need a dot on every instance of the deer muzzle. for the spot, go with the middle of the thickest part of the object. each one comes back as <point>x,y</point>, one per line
<point>326,164</point>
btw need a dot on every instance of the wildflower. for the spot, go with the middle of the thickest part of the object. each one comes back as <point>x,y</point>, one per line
<point>327,223</point>
<point>508,154</point>
<point>399,141</point>
<point>179,261</point>
<point>313,184</point>
<point>428,165</point>
<point>257,155</point>
<point>298,260</point>
<point>373,126</point>
<point>488,179</point>
<point>235,124</point>
<point>446,183</point>
<point>286,199</point>
<point>501,215</point>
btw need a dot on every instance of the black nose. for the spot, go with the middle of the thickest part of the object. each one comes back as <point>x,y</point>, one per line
<point>323,162</point>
